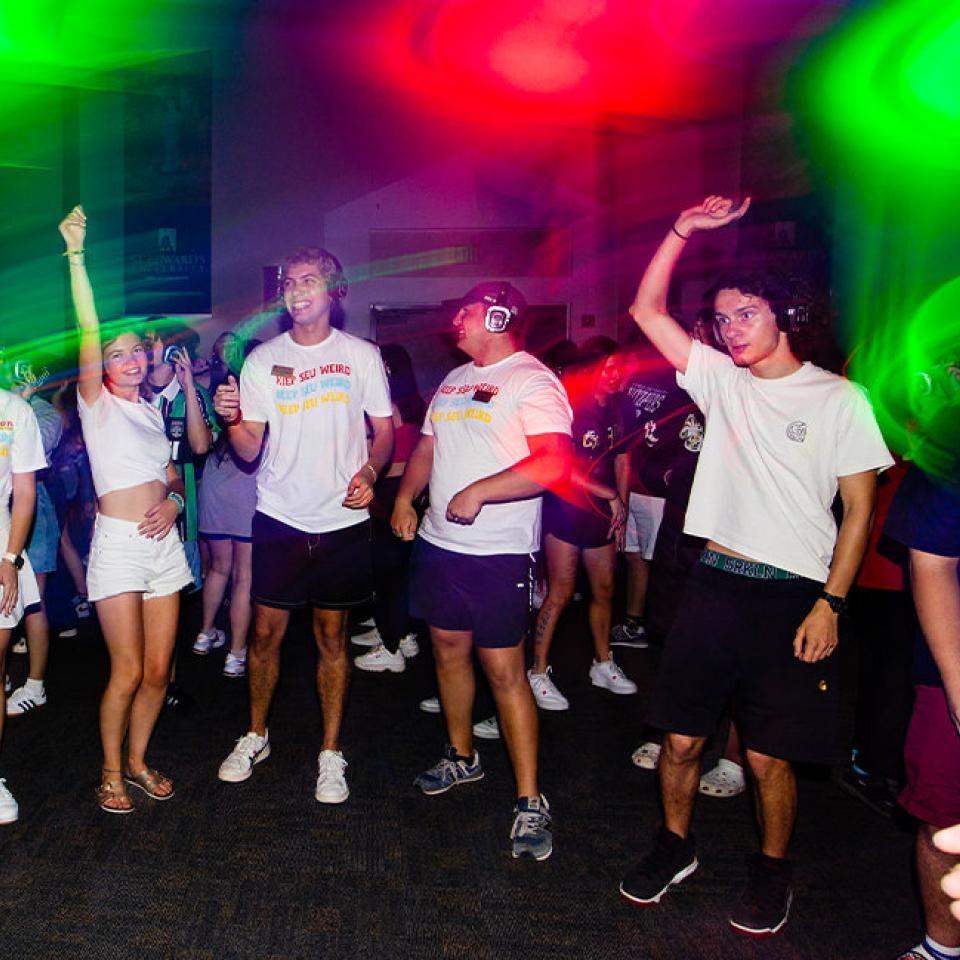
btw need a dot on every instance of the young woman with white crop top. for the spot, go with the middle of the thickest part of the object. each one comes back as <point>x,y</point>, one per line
<point>137,565</point>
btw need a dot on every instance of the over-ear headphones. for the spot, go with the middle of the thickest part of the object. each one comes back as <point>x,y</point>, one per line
<point>336,281</point>
<point>792,316</point>
<point>499,315</point>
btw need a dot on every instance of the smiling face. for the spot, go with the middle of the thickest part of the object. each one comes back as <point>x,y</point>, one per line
<point>472,335</point>
<point>125,361</point>
<point>305,294</point>
<point>747,326</point>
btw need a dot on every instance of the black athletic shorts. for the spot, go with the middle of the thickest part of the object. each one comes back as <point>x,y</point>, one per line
<point>733,637</point>
<point>487,595</point>
<point>585,529</point>
<point>292,568</point>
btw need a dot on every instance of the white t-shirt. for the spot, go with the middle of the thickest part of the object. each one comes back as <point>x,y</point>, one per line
<point>126,442</point>
<point>480,418</point>
<point>314,400</point>
<point>21,449</point>
<point>772,454</point>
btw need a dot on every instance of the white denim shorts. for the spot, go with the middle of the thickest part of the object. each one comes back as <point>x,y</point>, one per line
<point>29,592</point>
<point>124,561</point>
<point>644,516</point>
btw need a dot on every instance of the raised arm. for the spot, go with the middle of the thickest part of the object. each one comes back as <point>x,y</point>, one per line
<point>649,307</point>
<point>73,228</point>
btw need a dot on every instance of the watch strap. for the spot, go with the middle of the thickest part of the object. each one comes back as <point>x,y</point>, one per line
<point>837,604</point>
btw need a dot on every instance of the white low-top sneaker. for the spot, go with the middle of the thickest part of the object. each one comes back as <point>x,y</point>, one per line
<point>22,701</point>
<point>235,665</point>
<point>430,705</point>
<point>647,755</point>
<point>9,810</point>
<point>369,638</point>
<point>487,729</point>
<point>331,783</point>
<point>206,642</point>
<point>409,646</point>
<point>250,750</point>
<point>608,675</point>
<point>380,659</point>
<point>545,691</point>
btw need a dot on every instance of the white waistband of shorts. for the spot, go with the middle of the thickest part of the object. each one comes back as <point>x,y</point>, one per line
<point>116,525</point>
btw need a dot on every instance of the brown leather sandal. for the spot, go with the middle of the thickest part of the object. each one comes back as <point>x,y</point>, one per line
<point>148,780</point>
<point>112,794</point>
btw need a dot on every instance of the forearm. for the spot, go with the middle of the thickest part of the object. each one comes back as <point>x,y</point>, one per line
<point>621,470</point>
<point>380,449</point>
<point>592,486</point>
<point>21,513</point>
<point>650,303</point>
<point>527,478</point>
<point>417,473</point>
<point>851,544</point>
<point>198,433</point>
<point>176,485</point>
<point>246,442</point>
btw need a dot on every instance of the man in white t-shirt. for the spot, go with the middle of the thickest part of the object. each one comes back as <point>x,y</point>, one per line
<point>21,455</point>
<point>497,432</point>
<point>759,619</point>
<point>313,386</point>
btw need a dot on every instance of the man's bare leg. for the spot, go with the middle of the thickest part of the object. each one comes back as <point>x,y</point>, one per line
<point>517,711</point>
<point>333,671</point>
<point>263,662</point>
<point>456,684</point>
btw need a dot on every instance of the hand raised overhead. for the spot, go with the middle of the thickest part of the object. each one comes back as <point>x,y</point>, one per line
<point>712,213</point>
<point>73,228</point>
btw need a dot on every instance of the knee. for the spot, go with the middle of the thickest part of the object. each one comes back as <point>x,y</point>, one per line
<point>125,679</point>
<point>331,646</point>
<point>265,642</point>
<point>558,596</point>
<point>602,592</point>
<point>682,749</point>
<point>765,768</point>
<point>155,675</point>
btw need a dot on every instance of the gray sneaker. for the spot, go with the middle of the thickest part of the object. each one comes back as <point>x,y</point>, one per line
<point>531,833</point>
<point>449,772</point>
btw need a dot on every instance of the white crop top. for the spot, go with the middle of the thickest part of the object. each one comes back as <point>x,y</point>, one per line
<point>126,442</point>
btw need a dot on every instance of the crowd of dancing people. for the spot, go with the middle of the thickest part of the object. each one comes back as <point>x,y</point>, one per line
<point>733,481</point>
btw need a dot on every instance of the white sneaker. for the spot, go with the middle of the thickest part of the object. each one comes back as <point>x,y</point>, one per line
<point>20,646</point>
<point>250,750</point>
<point>67,633</point>
<point>9,811</point>
<point>726,779</point>
<point>22,701</point>
<point>235,665</point>
<point>409,646</point>
<point>545,691</point>
<point>371,638</point>
<point>206,642</point>
<point>430,705</point>
<point>608,675</point>
<point>487,729</point>
<point>380,659</point>
<point>331,783</point>
<point>647,755</point>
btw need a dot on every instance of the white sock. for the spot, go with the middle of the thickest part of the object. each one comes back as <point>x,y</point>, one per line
<point>34,687</point>
<point>936,951</point>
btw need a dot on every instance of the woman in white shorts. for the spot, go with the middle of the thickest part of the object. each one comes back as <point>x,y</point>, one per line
<point>137,564</point>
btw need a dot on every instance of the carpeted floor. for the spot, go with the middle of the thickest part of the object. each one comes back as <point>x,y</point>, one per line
<point>260,870</point>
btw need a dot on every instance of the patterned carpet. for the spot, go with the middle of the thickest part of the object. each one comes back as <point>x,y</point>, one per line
<point>260,870</point>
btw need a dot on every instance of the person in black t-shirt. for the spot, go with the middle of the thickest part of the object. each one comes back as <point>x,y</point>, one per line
<point>585,519</point>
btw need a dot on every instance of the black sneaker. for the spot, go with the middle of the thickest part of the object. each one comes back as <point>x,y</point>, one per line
<point>878,793</point>
<point>669,861</point>
<point>764,905</point>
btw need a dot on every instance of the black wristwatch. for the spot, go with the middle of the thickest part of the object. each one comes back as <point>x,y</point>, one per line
<point>837,604</point>
<point>15,558</point>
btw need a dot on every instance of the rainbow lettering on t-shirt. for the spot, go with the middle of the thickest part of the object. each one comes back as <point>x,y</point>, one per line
<point>6,437</point>
<point>466,401</point>
<point>308,389</point>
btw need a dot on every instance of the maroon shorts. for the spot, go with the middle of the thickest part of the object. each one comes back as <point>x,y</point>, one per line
<point>932,758</point>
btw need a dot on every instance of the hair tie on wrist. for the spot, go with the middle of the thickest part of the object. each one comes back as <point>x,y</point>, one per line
<point>678,233</point>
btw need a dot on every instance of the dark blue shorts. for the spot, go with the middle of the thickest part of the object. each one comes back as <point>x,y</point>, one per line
<point>487,595</point>
<point>292,568</point>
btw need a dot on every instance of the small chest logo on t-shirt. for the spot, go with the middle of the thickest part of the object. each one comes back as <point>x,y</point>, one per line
<point>797,431</point>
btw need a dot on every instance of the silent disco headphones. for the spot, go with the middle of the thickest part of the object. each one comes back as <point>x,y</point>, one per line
<point>783,294</point>
<point>504,304</point>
